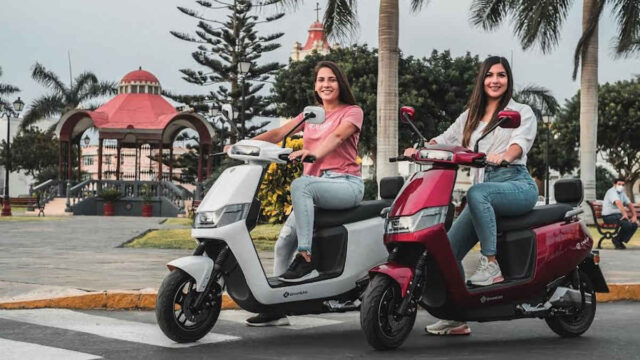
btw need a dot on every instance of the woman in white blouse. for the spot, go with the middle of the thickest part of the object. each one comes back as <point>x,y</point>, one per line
<point>497,191</point>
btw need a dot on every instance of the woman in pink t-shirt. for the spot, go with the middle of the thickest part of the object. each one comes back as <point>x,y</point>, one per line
<point>332,182</point>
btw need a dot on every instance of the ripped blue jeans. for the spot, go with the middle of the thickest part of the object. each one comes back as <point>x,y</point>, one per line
<point>505,192</point>
<point>331,190</point>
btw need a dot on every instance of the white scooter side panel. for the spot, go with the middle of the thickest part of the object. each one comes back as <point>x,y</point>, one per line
<point>236,185</point>
<point>365,249</point>
<point>199,267</point>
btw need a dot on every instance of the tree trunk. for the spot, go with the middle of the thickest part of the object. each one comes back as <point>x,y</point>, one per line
<point>387,102</point>
<point>589,106</point>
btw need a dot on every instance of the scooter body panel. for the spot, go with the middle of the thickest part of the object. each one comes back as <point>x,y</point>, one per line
<point>364,251</point>
<point>430,188</point>
<point>199,267</point>
<point>236,185</point>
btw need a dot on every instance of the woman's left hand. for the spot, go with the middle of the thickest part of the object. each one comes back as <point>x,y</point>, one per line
<point>497,158</point>
<point>299,155</point>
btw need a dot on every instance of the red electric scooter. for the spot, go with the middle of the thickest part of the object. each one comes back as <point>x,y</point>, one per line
<point>545,255</point>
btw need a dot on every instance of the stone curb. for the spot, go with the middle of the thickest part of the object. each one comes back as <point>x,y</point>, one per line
<point>146,300</point>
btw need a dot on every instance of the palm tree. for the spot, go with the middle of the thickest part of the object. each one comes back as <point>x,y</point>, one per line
<point>63,98</point>
<point>340,21</point>
<point>6,89</point>
<point>538,22</point>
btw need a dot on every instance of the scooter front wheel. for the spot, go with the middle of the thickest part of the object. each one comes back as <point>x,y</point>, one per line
<point>383,327</point>
<point>179,320</point>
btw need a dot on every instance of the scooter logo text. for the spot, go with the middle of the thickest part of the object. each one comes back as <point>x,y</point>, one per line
<point>287,294</point>
<point>484,299</point>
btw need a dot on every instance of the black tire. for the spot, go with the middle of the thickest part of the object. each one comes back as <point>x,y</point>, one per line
<point>384,331</point>
<point>575,325</point>
<point>174,313</point>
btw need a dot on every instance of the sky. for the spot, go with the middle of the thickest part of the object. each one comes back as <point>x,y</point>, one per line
<point>111,38</point>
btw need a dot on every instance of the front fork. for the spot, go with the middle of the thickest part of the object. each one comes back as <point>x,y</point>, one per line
<point>415,286</point>
<point>215,273</point>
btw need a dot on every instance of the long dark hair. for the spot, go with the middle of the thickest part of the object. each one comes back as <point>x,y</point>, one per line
<point>478,101</point>
<point>345,96</point>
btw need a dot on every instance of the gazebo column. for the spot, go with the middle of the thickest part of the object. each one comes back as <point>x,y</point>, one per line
<point>100,159</point>
<point>171,163</point>
<point>208,160</point>
<point>60,159</point>
<point>79,161</point>
<point>200,164</point>
<point>160,161</point>
<point>69,167</point>
<point>135,167</point>
<point>119,148</point>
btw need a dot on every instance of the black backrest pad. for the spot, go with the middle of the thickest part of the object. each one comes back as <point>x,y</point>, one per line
<point>568,191</point>
<point>390,186</point>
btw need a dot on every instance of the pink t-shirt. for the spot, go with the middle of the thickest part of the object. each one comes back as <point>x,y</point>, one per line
<point>343,158</point>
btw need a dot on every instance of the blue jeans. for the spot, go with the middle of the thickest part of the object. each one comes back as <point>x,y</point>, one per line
<point>331,191</point>
<point>505,192</point>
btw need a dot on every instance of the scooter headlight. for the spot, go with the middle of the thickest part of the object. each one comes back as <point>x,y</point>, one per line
<point>225,216</point>
<point>421,220</point>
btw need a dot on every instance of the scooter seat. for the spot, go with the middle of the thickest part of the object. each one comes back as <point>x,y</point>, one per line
<point>539,216</point>
<point>367,209</point>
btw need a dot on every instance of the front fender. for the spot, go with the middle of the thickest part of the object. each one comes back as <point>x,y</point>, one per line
<point>400,273</point>
<point>199,267</point>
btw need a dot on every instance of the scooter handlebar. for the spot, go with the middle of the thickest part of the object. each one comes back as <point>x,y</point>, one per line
<point>400,158</point>
<point>308,159</point>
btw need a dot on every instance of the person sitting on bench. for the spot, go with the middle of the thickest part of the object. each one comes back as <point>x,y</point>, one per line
<point>613,212</point>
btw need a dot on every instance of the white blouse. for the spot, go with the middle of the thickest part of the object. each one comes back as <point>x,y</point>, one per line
<point>499,140</point>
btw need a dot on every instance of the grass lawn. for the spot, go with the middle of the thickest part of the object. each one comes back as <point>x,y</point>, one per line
<point>178,221</point>
<point>264,237</point>
<point>17,217</point>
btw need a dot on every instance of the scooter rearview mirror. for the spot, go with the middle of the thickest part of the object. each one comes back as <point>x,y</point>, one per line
<point>407,113</point>
<point>512,119</point>
<point>314,114</point>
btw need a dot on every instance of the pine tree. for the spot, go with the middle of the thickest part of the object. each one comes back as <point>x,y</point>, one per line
<point>222,44</point>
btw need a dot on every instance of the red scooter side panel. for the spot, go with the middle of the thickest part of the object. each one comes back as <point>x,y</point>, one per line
<point>401,274</point>
<point>426,189</point>
<point>561,247</point>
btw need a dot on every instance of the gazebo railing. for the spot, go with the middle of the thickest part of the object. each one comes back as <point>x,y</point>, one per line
<point>177,195</point>
<point>45,191</point>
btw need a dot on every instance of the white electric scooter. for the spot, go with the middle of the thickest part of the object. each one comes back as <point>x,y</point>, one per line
<point>346,244</point>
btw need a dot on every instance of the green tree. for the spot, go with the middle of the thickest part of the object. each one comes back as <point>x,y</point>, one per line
<point>33,151</point>
<point>538,22</point>
<point>63,98</point>
<point>6,89</point>
<point>618,128</point>
<point>222,44</point>
<point>604,181</point>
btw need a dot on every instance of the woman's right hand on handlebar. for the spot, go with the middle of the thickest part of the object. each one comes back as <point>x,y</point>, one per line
<point>410,151</point>
<point>226,148</point>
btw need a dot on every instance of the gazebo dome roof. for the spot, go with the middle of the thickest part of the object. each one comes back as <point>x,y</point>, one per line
<point>139,76</point>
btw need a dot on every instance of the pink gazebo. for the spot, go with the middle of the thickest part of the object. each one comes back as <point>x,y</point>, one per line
<point>137,115</point>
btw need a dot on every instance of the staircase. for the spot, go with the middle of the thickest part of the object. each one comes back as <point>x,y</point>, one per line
<point>55,207</point>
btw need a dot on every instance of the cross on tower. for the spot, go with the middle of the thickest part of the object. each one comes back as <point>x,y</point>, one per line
<point>317,9</point>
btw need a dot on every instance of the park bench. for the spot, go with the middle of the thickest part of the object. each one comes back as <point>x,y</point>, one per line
<point>608,231</point>
<point>29,202</point>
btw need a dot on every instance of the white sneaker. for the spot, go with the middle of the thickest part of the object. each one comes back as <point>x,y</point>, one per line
<point>448,327</point>
<point>488,273</point>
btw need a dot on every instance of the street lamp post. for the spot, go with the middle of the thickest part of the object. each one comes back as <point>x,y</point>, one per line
<point>8,111</point>
<point>243,70</point>
<point>547,120</point>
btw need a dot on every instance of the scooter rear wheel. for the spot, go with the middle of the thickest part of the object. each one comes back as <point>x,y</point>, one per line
<point>575,325</point>
<point>383,328</point>
<point>177,317</point>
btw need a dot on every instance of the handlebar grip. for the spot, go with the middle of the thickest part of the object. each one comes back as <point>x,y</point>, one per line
<point>284,157</point>
<point>309,159</point>
<point>400,158</point>
<point>504,163</point>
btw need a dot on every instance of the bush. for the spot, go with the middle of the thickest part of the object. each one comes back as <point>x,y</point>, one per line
<point>275,188</point>
<point>147,193</point>
<point>109,195</point>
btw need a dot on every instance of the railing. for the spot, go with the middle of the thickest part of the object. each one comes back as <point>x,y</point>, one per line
<point>175,194</point>
<point>45,191</point>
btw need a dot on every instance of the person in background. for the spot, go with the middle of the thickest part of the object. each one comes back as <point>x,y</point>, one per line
<point>613,212</point>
